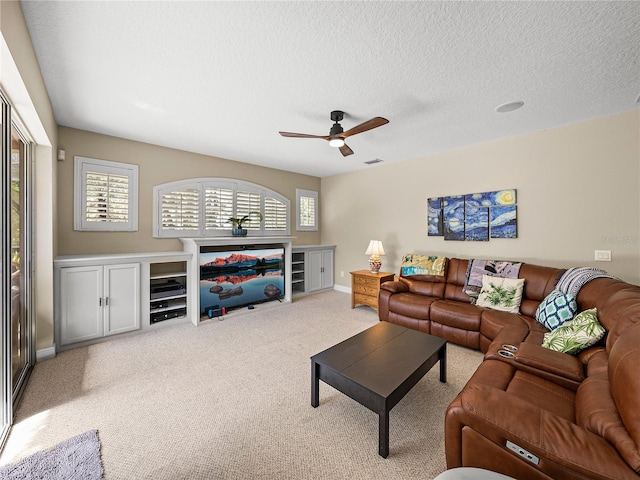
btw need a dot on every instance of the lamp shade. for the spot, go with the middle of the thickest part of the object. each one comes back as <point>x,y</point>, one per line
<point>375,248</point>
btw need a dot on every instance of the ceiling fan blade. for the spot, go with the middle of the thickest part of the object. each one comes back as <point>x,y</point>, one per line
<point>345,150</point>
<point>303,135</point>
<point>363,127</point>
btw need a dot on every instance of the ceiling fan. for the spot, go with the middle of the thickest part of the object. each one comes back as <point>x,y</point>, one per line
<point>337,135</point>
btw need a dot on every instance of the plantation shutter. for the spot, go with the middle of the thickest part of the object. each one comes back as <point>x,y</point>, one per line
<point>307,211</point>
<point>202,207</point>
<point>218,207</point>
<point>307,215</point>
<point>180,210</point>
<point>275,215</point>
<point>107,197</point>
<point>247,202</point>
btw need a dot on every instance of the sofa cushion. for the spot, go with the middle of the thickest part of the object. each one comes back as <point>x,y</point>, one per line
<point>411,305</point>
<point>501,293</point>
<point>540,282</point>
<point>456,278</point>
<point>575,335</point>
<point>556,309</point>
<point>606,402</point>
<point>463,316</point>
<point>424,287</point>
<point>624,384</point>
<point>493,321</point>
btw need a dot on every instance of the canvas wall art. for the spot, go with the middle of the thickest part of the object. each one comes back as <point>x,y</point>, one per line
<point>473,217</point>
<point>453,215</point>
<point>434,217</point>
<point>503,222</point>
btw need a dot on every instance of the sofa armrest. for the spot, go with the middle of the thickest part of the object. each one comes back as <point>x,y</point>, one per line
<point>560,368</point>
<point>395,287</point>
<point>556,363</point>
<point>557,442</point>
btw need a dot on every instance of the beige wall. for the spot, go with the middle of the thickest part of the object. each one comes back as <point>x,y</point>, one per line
<point>22,81</point>
<point>578,190</point>
<point>157,165</point>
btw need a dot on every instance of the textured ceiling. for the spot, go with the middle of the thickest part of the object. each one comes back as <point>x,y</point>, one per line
<point>222,78</point>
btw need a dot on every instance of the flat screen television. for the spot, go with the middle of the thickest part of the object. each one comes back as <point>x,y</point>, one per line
<point>241,277</point>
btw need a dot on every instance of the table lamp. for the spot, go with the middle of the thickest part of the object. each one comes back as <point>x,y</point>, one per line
<point>375,249</point>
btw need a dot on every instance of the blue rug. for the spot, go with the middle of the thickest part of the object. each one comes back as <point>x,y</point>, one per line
<point>77,458</point>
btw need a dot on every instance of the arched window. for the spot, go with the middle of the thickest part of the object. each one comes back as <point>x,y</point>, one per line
<point>201,207</point>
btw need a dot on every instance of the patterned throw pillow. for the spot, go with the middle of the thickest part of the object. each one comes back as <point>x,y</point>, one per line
<point>501,293</point>
<point>575,335</point>
<point>556,309</point>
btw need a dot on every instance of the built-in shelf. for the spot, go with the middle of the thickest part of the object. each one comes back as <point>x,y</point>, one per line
<point>297,272</point>
<point>167,291</point>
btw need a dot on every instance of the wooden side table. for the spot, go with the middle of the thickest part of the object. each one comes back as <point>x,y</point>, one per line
<point>365,287</point>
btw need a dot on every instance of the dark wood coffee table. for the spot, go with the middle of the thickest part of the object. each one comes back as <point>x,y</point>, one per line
<point>377,368</point>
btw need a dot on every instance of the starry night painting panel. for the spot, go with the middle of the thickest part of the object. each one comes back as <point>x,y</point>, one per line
<point>434,217</point>
<point>504,222</point>
<point>453,211</point>
<point>476,224</point>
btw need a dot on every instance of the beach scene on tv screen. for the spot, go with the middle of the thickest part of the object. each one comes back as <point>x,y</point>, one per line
<point>233,279</point>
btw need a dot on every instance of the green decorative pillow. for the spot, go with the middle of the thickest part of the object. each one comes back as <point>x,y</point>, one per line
<point>501,293</point>
<point>575,335</point>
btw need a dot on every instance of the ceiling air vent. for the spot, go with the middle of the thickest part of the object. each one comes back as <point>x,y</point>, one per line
<point>375,160</point>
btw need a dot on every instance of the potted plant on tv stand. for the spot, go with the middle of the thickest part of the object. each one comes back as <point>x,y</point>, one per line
<point>238,230</point>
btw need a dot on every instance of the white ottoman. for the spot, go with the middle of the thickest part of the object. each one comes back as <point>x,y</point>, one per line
<point>471,473</point>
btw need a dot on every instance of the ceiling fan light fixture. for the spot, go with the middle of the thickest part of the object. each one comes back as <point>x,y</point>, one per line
<point>336,142</point>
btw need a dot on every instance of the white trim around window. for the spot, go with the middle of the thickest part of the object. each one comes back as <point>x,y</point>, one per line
<point>201,207</point>
<point>307,217</point>
<point>105,195</point>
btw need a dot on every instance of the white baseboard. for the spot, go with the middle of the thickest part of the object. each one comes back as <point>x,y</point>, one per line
<point>342,289</point>
<point>45,354</point>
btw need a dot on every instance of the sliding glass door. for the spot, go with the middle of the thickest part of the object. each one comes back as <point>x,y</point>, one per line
<point>5,259</point>
<point>17,333</point>
<point>21,336</point>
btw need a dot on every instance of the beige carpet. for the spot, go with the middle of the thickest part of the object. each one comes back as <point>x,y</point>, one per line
<point>231,400</point>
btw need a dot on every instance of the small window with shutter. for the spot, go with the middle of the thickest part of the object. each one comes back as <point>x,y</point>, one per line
<point>106,195</point>
<point>307,202</point>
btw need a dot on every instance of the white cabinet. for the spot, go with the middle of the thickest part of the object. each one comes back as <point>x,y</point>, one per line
<point>312,268</point>
<point>97,301</point>
<point>320,269</point>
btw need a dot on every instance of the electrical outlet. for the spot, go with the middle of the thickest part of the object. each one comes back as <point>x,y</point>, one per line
<point>603,255</point>
<point>342,273</point>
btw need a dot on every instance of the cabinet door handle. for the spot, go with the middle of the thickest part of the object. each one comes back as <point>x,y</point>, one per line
<point>106,301</point>
<point>100,301</point>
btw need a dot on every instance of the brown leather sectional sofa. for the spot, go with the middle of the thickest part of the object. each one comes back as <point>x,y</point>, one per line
<point>541,414</point>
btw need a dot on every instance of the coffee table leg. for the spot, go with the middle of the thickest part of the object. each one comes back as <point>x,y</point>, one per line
<point>442,356</point>
<point>315,385</point>
<point>383,434</point>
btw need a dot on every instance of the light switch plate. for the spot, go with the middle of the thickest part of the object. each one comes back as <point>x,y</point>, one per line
<point>603,255</point>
